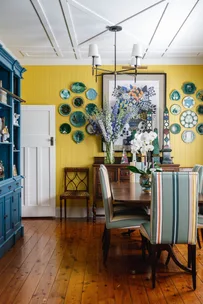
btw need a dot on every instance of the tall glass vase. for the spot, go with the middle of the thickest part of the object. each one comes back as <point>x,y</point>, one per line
<point>109,154</point>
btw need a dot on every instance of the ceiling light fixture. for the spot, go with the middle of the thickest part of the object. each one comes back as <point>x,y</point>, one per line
<point>96,59</point>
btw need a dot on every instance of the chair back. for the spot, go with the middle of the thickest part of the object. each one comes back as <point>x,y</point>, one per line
<point>174,208</point>
<point>106,193</point>
<point>76,179</point>
<point>199,169</point>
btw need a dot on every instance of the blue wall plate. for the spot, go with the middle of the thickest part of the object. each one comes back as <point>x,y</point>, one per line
<point>65,128</point>
<point>199,128</point>
<point>188,136</point>
<point>77,119</point>
<point>64,94</point>
<point>78,136</point>
<point>91,94</point>
<point>64,109</point>
<point>175,95</point>
<point>188,102</point>
<point>175,128</point>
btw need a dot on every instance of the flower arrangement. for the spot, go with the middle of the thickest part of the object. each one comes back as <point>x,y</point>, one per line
<point>143,143</point>
<point>110,121</point>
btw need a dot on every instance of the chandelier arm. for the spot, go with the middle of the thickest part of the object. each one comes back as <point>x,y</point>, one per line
<point>108,71</point>
<point>130,69</point>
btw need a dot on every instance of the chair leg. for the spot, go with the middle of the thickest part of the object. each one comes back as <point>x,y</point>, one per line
<point>193,257</point>
<point>143,246</point>
<point>189,256</point>
<point>106,245</point>
<point>198,239</point>
<point>65,208</point>
<point>202,233</point>
<point>60,209</point>
<point>153,265</point>
<point>87,205</point>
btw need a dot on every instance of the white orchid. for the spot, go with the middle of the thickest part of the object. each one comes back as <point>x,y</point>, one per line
<point>143,142</point>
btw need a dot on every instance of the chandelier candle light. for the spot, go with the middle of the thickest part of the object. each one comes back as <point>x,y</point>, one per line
<point>96,59</point>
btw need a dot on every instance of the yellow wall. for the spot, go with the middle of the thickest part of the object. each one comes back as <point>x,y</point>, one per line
<point>41,85</point>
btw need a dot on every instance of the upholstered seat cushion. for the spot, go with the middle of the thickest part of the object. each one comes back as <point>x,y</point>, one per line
<point>74,194</point>
<point>126,221</point>
<point>145,230</point>
<point>119,209</point>
<point>200,221</point>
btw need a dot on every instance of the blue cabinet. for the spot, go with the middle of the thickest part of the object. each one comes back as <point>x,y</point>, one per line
<point>11,227</point>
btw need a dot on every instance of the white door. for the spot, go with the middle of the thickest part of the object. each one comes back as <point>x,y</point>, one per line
<point>38,160</point>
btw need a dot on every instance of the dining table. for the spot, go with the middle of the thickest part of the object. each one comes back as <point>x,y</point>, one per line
<point>131,193</point>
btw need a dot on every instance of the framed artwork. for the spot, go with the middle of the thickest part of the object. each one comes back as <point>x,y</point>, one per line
<point>153,88</point>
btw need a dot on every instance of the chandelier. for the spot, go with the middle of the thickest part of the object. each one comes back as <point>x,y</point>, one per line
<point>96,59</point>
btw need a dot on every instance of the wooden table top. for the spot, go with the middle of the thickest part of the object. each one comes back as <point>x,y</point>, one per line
<point>132,193</point>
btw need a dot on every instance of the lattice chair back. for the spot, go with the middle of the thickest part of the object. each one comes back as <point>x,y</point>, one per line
<point>106,194</point>
<point>174,208</point>
<point>76,179</point>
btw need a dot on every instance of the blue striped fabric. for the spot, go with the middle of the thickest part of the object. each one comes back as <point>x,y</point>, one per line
<point>173,208</point>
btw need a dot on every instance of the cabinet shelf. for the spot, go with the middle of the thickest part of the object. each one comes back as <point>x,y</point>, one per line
<point>15,151</point>
<point>5,143</point>
<point>4,105</point>
<point>16,126</point>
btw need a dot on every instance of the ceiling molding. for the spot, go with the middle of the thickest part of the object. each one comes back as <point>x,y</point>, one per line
<point>65,8</point>
<point>46,26</point>
<point>161,61</point>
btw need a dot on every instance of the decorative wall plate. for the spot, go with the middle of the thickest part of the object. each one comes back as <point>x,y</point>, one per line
<point>78,119</point>
<point>188,102</point>
<point>188,136</point>
<point>175,95</point>
<point>78,87</point>
<point>78,136</point>
<point>175,128</point>
<point>64,109</point>
<point>175,109</point>
<point>188,119</point>
<point>65,94</point>
<point>199,128</point>
<point>78,102</point>
<point>189,88</point>
<point>91,94</point>
<point>200,109</point>
<point>89,129</point>
<point>91,108</point>
<point>199,95</point>
<point>65,128</point>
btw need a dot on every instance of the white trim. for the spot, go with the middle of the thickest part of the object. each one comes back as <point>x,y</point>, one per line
<point>64,61</point>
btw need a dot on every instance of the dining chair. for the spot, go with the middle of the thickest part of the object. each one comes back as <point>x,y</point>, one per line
<point>113,219</point>
<point>199,169</point>
<point>173,218</point>
<point>76,186</point>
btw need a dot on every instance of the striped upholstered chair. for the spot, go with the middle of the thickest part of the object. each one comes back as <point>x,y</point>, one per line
<point>115,219</point>
<point>173,218</point>
<point>199,169</point>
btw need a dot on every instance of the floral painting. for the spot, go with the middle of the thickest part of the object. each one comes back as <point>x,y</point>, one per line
<point>149,90</point>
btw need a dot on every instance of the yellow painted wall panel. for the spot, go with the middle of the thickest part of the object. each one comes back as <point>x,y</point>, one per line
<point>41,85</point>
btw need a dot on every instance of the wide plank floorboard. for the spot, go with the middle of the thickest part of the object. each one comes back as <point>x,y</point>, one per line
<point>61,263</point>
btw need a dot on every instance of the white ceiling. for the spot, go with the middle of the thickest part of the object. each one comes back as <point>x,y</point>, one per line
<point>59,31</point>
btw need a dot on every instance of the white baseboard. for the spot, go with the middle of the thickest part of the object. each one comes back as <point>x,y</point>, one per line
<point>78,212</point>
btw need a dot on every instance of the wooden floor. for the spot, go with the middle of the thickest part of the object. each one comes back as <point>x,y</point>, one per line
<point>62,263</point>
